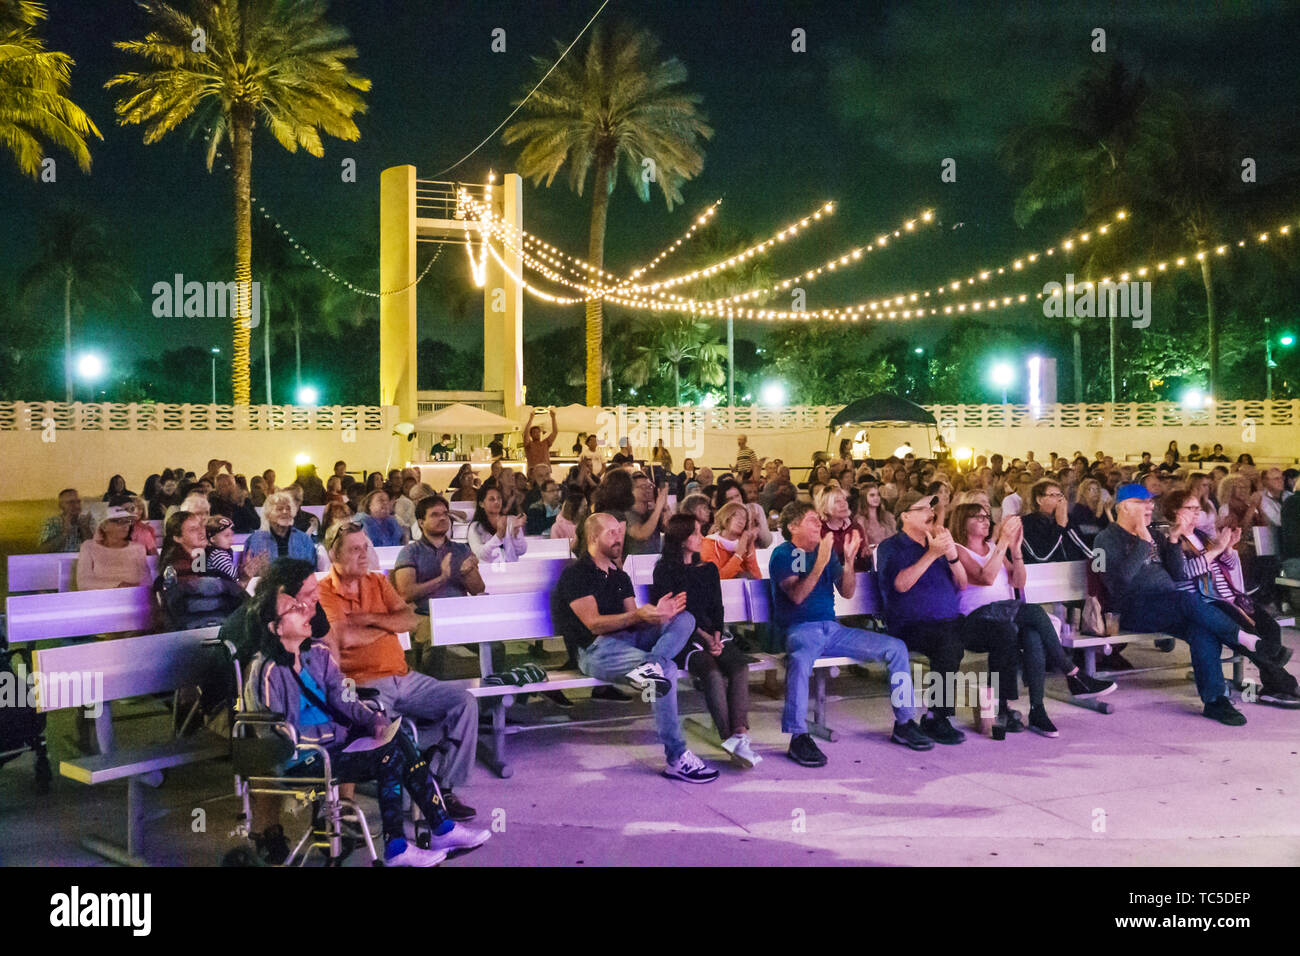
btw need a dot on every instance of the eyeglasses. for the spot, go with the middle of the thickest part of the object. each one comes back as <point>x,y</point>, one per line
<point>982,516</point>
<point>297,607</point>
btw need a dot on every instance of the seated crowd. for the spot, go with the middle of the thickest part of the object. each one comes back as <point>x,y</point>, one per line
<point>949,543</point>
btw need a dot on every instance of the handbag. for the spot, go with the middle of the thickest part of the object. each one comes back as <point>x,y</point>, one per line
<point>1001,612</point>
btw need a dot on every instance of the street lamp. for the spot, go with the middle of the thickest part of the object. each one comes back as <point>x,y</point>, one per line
<point>90,369</point>
<point>773,394</point>
<point>1003,375</point>
<point>307,395</point>
<point>215,353</point>
<point>1286,340</point>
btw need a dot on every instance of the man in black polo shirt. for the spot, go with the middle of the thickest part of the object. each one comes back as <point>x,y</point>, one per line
<point>593,605</point>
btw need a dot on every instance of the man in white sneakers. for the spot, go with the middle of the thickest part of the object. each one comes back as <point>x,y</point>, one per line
<point>593,606</point>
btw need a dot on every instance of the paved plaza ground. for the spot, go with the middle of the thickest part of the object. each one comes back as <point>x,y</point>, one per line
<point>1154,783</point>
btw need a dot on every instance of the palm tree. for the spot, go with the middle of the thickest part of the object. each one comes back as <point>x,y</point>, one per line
<point>1190,158</point>
<point>1080,158</point>
<point>277,59</point>
<point>618,105</point>
<point>34,82</point>
<point>717,243</point>
<point>74,259</point>
<point>666,343</point>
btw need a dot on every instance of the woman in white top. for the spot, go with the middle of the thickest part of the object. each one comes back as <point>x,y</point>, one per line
<point>494,535</point>
<point>994,566</point>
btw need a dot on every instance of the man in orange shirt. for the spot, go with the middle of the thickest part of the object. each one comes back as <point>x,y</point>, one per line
<point>365,614</point>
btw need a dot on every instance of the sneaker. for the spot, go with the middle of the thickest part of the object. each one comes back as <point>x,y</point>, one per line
<point>1011,721</point>
<point>909,735</point>
<point>741,750</point>
<point>1085,687</point>
<point>557,698</point>
<point>1040,723</point>
<point>1115,661</point>
<point>405,853</point>
<point>272,845</point>
<point>1223,711</point>
<point>940,731</point>
<point>691,769</point>
<point>649,675</point>
<point>1280,698</point>
<point>804,752</point>
<point>459,837</point>
<point>455,809</point>
<point>610,692</point>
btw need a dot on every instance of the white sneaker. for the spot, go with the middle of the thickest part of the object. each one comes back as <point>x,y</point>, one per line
<point>691,769</point>
<point>459,837</point>
<point>741,749</point>
<point>415,856</point>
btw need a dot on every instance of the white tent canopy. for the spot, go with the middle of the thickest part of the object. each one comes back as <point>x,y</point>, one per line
<point>459,419</point>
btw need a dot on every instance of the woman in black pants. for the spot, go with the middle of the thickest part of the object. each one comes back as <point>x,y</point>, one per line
<point>1208,566</point>
<point>711,656</point>
<point>994,568</point>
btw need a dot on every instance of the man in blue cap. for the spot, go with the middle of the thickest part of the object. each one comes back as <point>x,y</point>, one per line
<point>1139,586</point>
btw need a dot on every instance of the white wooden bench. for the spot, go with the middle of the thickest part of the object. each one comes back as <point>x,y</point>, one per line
<point>527,616</point>
<point>39,617</point>
<point>132,667</point>
<point>1061,581</point>
<point>1267,546</point>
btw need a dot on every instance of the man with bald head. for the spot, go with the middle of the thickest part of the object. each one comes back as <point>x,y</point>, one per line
<point>594,607</point>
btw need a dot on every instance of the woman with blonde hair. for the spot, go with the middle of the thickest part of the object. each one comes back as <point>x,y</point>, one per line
<point>111,559</point>
<point>1088,513</point>
<point>1236,510</point>
<point>837,521</point>
<point>730,545</point>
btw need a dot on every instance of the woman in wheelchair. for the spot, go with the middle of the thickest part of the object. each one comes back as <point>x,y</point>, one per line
<point>294,675</point>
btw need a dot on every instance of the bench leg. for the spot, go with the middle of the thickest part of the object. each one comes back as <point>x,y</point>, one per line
<point>104,729</point>
<point>495,755</point>
<point>135,817</point>
<point>1090,661</point>
<point>817,726</point>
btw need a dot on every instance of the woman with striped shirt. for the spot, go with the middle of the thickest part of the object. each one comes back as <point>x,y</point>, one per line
<point>1208,566</point>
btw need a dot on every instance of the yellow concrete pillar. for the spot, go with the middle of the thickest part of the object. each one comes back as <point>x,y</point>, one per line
<point>503,304</point>
<point>397,322</point>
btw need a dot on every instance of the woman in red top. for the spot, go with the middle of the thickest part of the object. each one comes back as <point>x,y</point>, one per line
<point>731,545</point>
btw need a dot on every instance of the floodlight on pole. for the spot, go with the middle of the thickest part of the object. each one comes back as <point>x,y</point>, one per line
<point>307,395</point>
<point>1003,374</point>
<point>773,394</point>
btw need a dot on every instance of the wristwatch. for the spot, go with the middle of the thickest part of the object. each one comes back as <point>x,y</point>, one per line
<point>954,560</point>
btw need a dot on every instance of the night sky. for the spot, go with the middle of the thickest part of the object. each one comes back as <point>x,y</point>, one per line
<point>883,94</point>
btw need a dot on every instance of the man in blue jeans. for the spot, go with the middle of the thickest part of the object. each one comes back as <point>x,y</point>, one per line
<point>805,573</point>
<point>593,606</point>
<point>1141,589</point>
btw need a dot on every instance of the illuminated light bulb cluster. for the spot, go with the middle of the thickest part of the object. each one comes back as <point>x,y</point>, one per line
<point>1146,270</point>
<point>831,265</point>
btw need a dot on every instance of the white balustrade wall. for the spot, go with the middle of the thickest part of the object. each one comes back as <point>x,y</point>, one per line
<point>49,445</point>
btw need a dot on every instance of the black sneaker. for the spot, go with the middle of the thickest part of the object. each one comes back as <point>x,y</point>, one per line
<point>940,731</point>
<point>1040,723</point>
<point>909,735</point>
<point>804,752</point>
<point>272,846</point>
<point>455,809</point>
<point>1011,721</point>
<point>1223,711</point>
<point>1114,662</point>
<point>1165,644</point>
<point>649,675</point>
<point>610,692</point>
<point>1280,698</point>
<point>557,698</point>
<point>1084,687</point>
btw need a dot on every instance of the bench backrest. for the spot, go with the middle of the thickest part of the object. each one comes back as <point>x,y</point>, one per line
<point>39,617</point>
<point>1055,581</point>
<point>514,576</point>
<point>467,620</point>
<point>129,666</point>
<point>540,546</point>
<point>1266,540</point>
<point>38,572</point>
